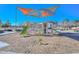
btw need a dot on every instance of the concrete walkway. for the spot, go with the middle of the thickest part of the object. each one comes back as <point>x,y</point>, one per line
<point>3,44</point>
<point>6,32</point>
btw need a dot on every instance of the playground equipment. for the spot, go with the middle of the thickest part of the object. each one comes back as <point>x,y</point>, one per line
<point>43,13</point>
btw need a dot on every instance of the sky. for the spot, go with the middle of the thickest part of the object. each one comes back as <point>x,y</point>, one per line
<point>8,12</point>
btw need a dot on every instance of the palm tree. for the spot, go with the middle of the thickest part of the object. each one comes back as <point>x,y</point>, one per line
<point>44,25</point>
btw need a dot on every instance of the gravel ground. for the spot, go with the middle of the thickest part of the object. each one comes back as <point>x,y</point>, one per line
<point>39,44</point>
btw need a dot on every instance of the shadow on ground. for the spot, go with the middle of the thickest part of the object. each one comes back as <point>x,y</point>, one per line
<point>71,35</point>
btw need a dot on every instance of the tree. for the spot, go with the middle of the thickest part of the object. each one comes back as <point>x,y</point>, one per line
<point>7,24</point>
<point>66,23</point>
<point>0,24</point>
<point>76,22</point>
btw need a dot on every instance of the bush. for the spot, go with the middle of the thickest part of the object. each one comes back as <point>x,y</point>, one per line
<point>25,30</point>
<point>1,31</point>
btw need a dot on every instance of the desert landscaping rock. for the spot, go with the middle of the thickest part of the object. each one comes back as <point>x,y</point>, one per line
<point>30,45</point>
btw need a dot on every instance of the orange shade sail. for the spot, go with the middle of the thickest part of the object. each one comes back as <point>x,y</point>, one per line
<point>24,10</point>
<point>45,13</point>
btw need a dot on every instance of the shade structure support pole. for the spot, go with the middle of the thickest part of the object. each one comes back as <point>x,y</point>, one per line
<point>15,19</point>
